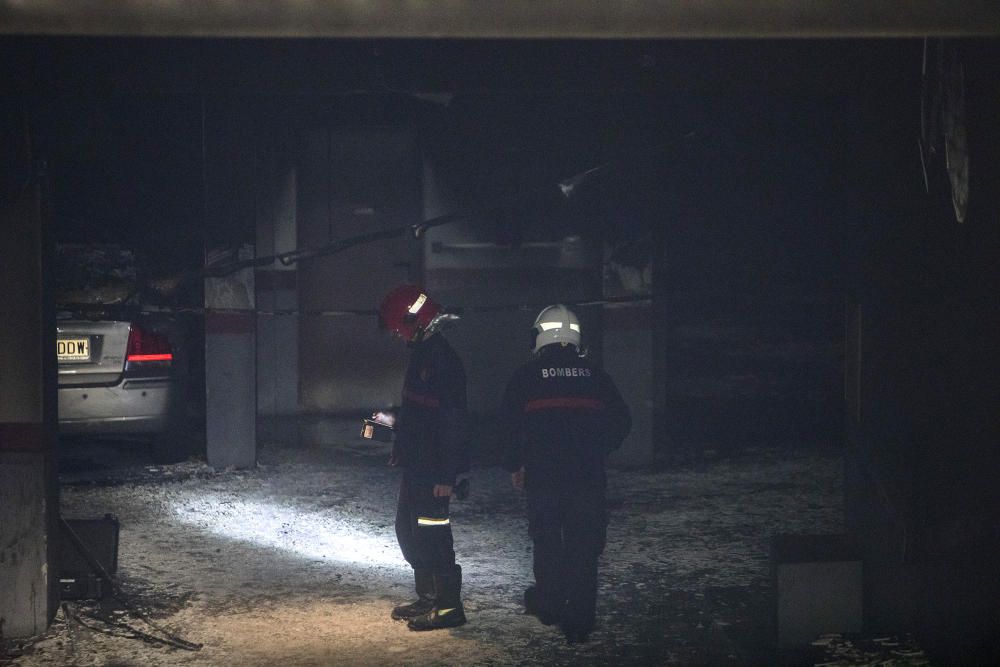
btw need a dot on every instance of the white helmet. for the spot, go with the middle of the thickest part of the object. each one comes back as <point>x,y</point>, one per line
<point>556,324</point>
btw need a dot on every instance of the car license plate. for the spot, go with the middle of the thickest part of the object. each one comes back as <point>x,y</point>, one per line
<point>73,349</point>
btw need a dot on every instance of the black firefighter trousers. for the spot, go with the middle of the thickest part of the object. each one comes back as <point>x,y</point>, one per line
<point>423,526</point>
<point>568,528</point>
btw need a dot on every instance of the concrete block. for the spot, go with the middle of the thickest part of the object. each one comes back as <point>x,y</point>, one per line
<point>818,588</point>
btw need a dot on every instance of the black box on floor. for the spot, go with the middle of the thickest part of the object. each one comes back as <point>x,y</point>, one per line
<point>78,578</point>
<point>82,587</point>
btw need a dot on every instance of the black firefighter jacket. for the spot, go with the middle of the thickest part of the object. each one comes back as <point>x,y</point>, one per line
<point>562,416</point>
<point>431,431</point>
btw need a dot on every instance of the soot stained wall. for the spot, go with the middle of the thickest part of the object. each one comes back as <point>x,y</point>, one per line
<point>922,372</point>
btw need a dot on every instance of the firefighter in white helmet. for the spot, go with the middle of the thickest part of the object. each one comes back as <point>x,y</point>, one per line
<point>562,416</point>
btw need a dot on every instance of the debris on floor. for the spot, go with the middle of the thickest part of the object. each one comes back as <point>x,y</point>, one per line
<point>296,563</point>
<point>836,650</point>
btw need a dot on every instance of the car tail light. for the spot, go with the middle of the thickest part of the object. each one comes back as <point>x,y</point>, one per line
<point>147,347</point>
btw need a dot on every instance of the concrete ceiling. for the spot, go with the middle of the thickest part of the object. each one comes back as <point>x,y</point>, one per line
<point>503,19</point>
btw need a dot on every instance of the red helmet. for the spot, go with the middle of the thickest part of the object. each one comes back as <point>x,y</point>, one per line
<point>406,311</point>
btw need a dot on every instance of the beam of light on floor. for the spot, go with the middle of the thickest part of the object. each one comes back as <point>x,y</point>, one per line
<point>319,535</point>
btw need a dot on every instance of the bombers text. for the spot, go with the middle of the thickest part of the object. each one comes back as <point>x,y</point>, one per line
<point>565,372</point>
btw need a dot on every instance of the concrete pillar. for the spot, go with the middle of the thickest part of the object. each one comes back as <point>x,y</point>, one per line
<point>230,174</point>
<point>627,353</point>
<point>230,369</point>
<point>28,421</point>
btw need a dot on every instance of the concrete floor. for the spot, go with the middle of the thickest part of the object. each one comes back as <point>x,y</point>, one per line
<point>296,562</point>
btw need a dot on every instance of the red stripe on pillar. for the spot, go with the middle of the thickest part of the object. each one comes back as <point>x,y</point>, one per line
<point>22,437</point>
<point>230,323</point>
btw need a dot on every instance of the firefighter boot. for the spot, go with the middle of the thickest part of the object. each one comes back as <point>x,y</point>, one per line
<point>425,598</point>
<point>533,606</point>
<point>576,635</point>
<point>447,611</point>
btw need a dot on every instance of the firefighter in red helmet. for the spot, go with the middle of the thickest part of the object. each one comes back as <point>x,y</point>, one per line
<point>431,446</point>
<point>562,416</point>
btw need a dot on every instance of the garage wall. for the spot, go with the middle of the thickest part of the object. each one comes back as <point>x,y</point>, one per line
<point>748,299</point>
<point>277,285</point>
<point>353,180</point>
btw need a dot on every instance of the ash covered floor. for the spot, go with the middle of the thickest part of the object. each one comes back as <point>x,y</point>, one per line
<point>296,563</point>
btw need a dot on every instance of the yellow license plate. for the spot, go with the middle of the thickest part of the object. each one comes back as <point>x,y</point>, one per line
<point>73,349</point>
